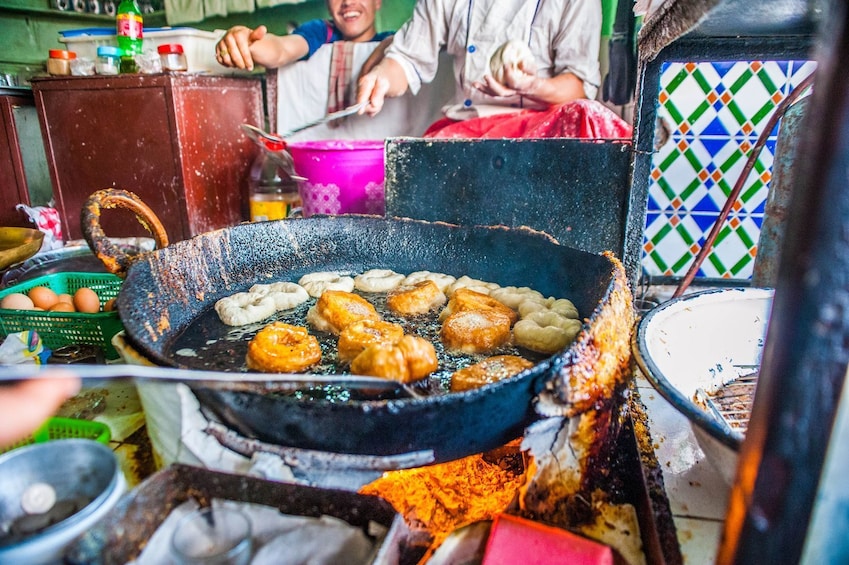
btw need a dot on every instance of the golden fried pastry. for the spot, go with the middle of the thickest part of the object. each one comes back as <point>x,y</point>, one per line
<point>335,309</point>
<point>545,331</point>
<point>356,336</point>
<point>466,299</point>
<point>420,298</point>
<point>283,348</point>
<point>420,356</point>
<point>411,359</point>
<point>488,371</point>
<point>475,331</point>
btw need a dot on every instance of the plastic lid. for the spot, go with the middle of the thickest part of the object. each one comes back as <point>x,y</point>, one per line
<point>170,48</point>
<point>62,54</point>
<point>109,50</point>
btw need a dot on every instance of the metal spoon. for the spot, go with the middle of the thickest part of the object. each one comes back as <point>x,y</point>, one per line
<point>212,379</point>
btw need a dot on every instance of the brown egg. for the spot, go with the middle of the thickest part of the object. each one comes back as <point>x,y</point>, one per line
<point>43,297</point>
<point>17,301</point>
<point>109,305</point>
<point>86,300</point>
<point>63,307</point>
<point>65,297</point>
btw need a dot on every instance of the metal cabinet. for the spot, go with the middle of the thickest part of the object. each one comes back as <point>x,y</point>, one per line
<point>23,167</point>
<point>173,139</point>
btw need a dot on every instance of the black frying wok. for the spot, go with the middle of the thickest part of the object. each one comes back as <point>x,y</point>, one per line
<point>167,292</point>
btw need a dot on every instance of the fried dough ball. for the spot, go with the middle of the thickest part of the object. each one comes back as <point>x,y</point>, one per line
<point>335,309</point>
<point>419,298</point>
<point>467,299</point>
<point>475,331</point>
<point>283,348</point>
<point>411,359</point>
<point>357,336</point>
<point>488,371</point>
<point>545,331</point>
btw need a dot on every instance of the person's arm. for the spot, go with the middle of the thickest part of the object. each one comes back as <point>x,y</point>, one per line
<point>559,89</point>
<point>386,79</point>
<point>242,48</point>
<point>26,405</point>
<point>376,55</point>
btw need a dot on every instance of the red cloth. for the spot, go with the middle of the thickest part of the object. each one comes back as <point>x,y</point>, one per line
<point>585,119</point>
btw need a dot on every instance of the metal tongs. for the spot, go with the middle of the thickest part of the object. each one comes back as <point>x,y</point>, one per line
<point>211,379</point>
<point>255,132</point>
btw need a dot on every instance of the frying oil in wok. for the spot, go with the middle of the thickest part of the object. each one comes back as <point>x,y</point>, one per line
<point>210,344</point>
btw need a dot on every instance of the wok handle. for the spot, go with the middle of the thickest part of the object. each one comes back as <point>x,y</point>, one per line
<point>113,258</point>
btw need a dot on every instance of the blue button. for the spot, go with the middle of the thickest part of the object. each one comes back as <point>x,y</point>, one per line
<point>467,103</point>
<point>472,49</point>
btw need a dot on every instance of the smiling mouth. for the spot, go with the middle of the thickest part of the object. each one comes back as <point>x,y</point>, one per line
<point>351,15</point>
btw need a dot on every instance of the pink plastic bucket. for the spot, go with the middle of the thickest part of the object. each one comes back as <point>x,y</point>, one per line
<point>343,176</point>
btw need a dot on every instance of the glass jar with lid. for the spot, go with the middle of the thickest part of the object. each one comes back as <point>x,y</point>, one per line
<point>172,57</point>
<point>108,60</point>
<point>59,63</point>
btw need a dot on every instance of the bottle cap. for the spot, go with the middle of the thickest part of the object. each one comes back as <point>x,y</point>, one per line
<point>62,54</point>
<point>109,50</point>
<point>170,48</point>
<point>274,145</point>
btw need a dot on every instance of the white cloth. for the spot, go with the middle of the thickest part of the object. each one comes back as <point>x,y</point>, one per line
<point>563,35</point>
<point>303,90</point>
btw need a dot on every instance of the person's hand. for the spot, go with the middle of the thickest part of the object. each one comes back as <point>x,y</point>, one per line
<point>234,49</point>
<point>517,80</point>
<point>26,405</point>
<point>371,90</point>
<point>387,79</point>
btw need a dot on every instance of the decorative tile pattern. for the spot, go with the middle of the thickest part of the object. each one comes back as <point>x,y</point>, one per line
<point>715,112</point>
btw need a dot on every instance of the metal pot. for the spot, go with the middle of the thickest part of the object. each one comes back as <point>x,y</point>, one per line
<point>169,293</point>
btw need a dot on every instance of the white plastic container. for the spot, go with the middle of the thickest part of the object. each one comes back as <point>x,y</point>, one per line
<point>198,45</point>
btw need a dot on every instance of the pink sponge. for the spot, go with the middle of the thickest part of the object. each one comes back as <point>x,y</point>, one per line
<point>515,540</point>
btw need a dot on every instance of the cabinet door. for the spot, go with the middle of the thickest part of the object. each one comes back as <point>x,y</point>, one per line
<point>104,135</point>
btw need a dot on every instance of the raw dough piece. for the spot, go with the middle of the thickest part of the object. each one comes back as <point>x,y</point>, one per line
<point>514,54</point>
<point>378,280</point>
<point>316,283</point>
<point>245,308</point>
<point>442,280</point>
<point>286,295</point>
<point>545,331</point>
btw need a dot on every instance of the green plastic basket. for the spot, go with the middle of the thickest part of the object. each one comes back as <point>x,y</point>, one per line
<point>58,329</point>
<point>65,428</point>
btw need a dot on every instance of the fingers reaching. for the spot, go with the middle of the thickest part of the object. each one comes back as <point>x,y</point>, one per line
<point>26,405</point>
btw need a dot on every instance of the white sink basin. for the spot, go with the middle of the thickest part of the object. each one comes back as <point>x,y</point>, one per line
<point>702,341</point>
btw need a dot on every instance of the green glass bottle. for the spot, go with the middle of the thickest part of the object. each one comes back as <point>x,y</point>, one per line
<point>129,28</point>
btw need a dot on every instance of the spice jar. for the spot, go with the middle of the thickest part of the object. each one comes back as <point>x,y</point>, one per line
<point>172,57</point>
<point>59,63</point>
<point>108,60</point>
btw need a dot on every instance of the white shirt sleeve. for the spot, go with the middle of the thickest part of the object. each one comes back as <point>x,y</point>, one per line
<point>417,44</point>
